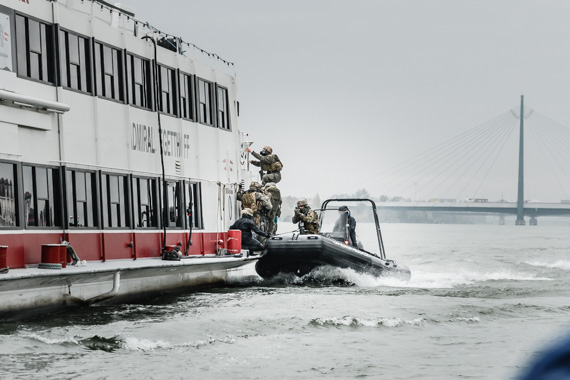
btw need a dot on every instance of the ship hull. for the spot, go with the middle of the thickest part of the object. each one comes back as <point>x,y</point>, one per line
<point>26,292</point>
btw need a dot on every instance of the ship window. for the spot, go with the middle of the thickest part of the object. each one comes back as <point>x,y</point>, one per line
<point>168,98</point>
<point>108,72</point>
<point>194,203</point>
<point>223,112</point>
<point>35,46</point>
<point>139,78</point>
<point>41,197</point>
<point>145,200</point>
<point>114,202</point>
<point>205,101</point>
<point>81,204</point>
<point>75,56</point>
<point>187,97</point>
<point>174,204</point>
<point>8,211</point>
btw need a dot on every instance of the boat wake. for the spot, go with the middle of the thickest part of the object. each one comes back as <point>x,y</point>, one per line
<point>351,321</point>
<point>560,264</point>
<point>129,343</point>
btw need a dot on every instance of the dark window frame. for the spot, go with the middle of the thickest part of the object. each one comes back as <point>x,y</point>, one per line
<point>151,207</point>
<point>47,55</point>
<point>15,186</point>
<point>89,204</point>
<point>187,106</point>
<point>172,104</point>
<point>101,72</point>
<point>205,111</point>
<point>85,66</point>
<point>196,199</point>
<point>123,206</point>
<point>179,208</point>
<point>53,198</point>
<point>223,118</point>
<point>148,83</point>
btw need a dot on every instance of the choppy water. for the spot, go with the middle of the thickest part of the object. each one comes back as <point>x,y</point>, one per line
<point>482,299</point>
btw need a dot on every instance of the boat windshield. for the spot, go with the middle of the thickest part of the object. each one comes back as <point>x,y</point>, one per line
<point>335,222</point>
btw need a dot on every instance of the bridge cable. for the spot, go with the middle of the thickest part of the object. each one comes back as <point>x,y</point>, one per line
<point>412,162</point>
<point>494,161</point>
<point>547,140</point>
<point>443,152</point>
<point>482,147</point>
<point>462,156</point>
<point>453,156</point>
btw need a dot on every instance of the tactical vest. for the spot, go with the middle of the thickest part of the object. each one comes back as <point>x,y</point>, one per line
<point>274,166</point>
<point>248,201</point>
<point>277,165</point>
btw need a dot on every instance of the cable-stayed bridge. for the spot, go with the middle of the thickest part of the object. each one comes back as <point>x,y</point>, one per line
<point>454,176</point>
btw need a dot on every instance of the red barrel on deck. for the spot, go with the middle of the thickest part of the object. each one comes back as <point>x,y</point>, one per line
<point>234,241</point>
<point>3,256</point>
<point>54,254</point>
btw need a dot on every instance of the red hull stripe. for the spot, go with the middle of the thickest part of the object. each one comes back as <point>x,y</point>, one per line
<point>26,248</point>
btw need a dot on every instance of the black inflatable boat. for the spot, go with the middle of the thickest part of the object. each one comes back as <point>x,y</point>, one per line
<point>299,253</point>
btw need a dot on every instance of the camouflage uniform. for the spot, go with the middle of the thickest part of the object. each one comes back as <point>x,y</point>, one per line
<point>269,163</point>
<point>308,219</point>
<point>259,203</point>
<point>274,193</point>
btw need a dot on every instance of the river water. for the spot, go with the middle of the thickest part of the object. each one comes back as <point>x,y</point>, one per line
<point>482,299</point>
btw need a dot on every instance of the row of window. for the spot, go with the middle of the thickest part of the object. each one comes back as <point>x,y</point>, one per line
<point>95,68</point>
<point>69,198</point>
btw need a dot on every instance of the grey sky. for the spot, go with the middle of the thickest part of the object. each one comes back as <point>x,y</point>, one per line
<point>343,90</point>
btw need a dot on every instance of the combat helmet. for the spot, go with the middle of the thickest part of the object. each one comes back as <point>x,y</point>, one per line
<point>302,202</point>
<point>266,150</point>
<point>254,185</point>
<point>247,211</point>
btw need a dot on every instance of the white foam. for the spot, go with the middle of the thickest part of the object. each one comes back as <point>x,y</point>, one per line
<point>465,319</point>
<point>560,264</point>
<point>356,322</point>
<point>138,344</point>
<point>46,340</point>
<point>141,344</point>
<point>434,280</point>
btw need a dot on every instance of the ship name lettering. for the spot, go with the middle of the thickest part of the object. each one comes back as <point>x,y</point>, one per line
<point>142,138</point>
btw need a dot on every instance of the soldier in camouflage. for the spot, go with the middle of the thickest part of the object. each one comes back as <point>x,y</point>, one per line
<point>259,203</point>
<point>308,219</point>
<point>271,190</point>
<point>269,163</point>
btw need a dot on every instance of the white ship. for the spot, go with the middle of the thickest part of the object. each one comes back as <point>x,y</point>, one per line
<point>119,141</point>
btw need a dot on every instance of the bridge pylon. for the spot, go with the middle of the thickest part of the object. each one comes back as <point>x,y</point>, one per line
<point>520,197</point>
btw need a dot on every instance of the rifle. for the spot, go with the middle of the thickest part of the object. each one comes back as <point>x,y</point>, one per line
<point>261,174</point>
<point>301,223</point>
<point>302,228</point>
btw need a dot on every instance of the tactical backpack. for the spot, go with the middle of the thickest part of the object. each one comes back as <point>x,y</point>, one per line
<point>277,165</point>
<point>274,192</point>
